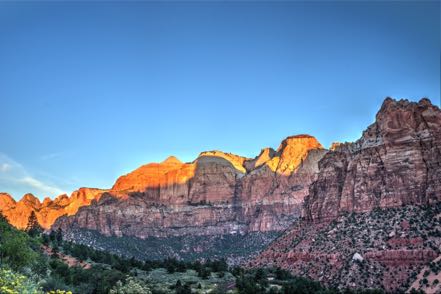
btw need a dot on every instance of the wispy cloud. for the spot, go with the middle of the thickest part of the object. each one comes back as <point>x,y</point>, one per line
<point>17,178</point>
<point>4,167</point>
<point>34,183</point>
<point>51,156</point>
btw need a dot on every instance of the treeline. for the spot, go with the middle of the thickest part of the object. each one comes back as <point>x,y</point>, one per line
<point>125,265</point>
<point>279,281</point>
<point>32,262</point>
<point>26,268</point>
<point>33,259</point>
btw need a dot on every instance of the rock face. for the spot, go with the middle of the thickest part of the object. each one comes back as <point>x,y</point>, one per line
<point>47,212</point>
<point>372,216</point>
<point>396,162</point>
<point>218,193</point>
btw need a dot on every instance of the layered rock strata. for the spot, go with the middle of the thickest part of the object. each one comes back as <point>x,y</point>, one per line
<point>396,162</point>
<point>218,193</point>
<point>372,216</point>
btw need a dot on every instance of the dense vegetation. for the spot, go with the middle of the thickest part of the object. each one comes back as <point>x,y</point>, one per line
<point>233,247</point>
<point>34,262</point>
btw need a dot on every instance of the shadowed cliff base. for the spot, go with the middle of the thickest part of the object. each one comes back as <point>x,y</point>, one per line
<point>234,247</point>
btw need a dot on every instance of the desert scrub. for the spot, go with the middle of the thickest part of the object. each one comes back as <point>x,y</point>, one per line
<point>130,286</point>
<point>14,283</point>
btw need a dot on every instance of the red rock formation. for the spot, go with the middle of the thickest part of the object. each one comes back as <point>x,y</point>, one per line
<point>47,212</point>
<point>396,162</point>
<point>152,175</point>
<point>218,193</point>
<point>401,257</point>
<point>6,201</point>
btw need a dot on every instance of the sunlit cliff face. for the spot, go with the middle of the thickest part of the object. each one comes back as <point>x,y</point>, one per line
<point>291,153</point>
<point>169,182</point>
<point>154,175</point>
<point>49,210</point>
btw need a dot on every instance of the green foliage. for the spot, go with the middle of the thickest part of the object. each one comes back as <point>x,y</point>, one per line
<point>247,285</point>
<point>214,247</point>
<point>53,282</point>
<point>301,285</point>
<point>110,273</point>
<point>282,274</point>
<point>14,283</point>
<point>33,227</point>
<point>183,289</point>
<point>130,286</point>
<point>15,247</point>
<point>59,236</point>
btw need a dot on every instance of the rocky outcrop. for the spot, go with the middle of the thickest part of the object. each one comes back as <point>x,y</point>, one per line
<point>6,201</point>
<point>378,198</point>
<point>396,162</point>
<point>154,175</point>
<point>218,193</point>
<point>47,212</point>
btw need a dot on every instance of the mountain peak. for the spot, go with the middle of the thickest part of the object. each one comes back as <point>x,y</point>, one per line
<point>31,199</point>
<point>292,151</point>
<point>236,160</point>
<point>6,200</point>
<point>335,145</point>
<point>172,160</point>
<point>301,140</point>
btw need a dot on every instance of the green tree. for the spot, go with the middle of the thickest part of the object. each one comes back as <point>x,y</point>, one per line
<point>45,239</point>
<point>59,236</point>
<point>15,249</point>
<point>52,236</point>
<point>33,227</point>
<point>301,285</point>
<point>3,219</point>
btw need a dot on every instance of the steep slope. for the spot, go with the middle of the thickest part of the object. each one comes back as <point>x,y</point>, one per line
<point>372,216</point>
<point>219,193</point>
<point>396,162</point>
<point>384,248</point>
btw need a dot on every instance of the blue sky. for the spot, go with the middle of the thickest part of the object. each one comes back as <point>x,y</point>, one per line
<point>90,91</point>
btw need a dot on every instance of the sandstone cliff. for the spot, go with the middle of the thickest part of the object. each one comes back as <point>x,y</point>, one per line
<point>397,161</point>
<point>218,193</point>
<point>372,216</point>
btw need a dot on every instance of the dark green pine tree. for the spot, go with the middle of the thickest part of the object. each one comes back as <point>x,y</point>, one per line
<point>33,227</point>
<point>59,236</point>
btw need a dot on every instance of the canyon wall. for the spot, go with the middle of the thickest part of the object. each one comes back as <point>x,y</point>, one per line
<point>218,193</point>
<point>372,216</point>
<point>396,162</point>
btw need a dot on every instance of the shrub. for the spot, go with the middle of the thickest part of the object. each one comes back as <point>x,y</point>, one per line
<point>15,249</point>
<point>14,283</point>
<point>130,286</point>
